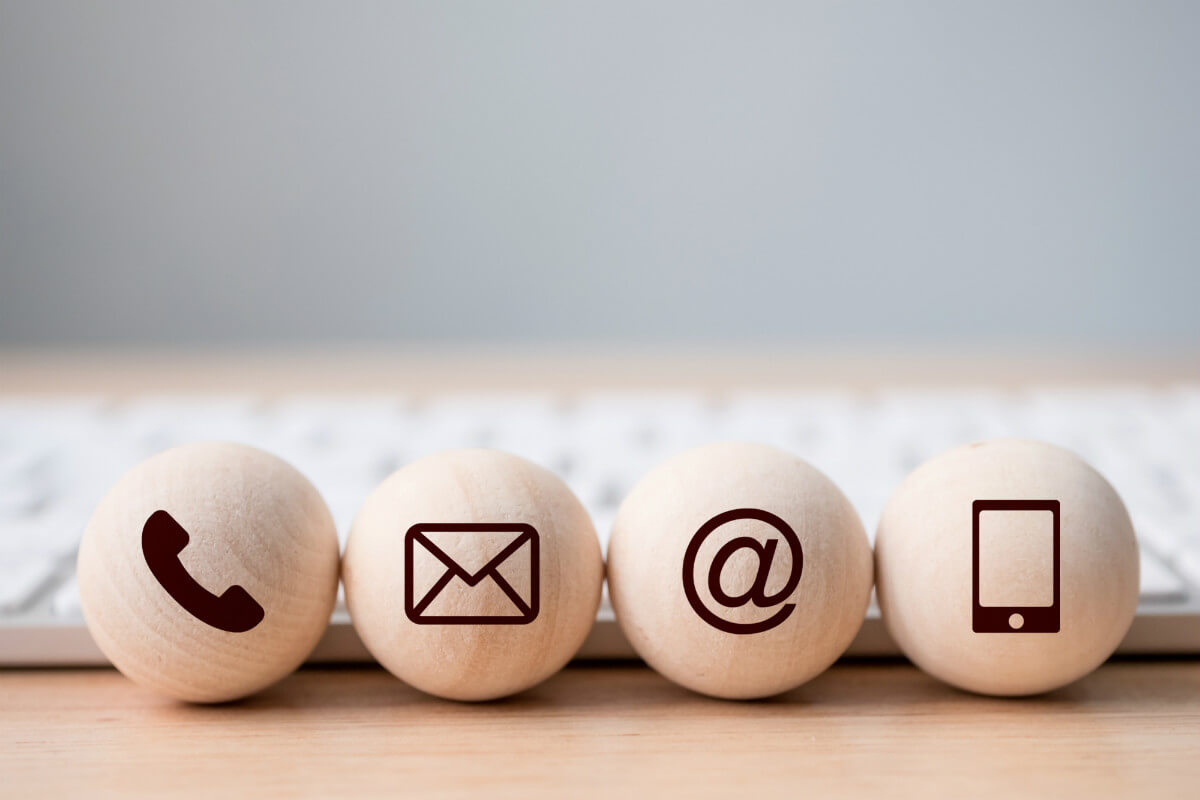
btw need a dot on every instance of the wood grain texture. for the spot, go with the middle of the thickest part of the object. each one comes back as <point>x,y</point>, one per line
<point>240,519</point>
<point>1131,729</point>
<point>789,611</point>
<point>924,570</point>
<point>559,570</point>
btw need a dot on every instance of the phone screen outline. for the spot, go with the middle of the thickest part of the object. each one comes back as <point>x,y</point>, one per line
<point>1014,619</point>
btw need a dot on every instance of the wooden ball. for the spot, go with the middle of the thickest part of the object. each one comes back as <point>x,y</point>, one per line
<point>472,574</point>
<point>738,570</point>
<point>965,557</point>
<point>209,571</point>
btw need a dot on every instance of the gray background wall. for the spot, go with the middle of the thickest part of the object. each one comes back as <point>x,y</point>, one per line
<point>667,171</point>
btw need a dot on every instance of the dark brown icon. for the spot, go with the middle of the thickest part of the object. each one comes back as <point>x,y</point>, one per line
<point>523,610</point>
<point>1008,617</point>
<point>234,610</point>
<point>757,593</point>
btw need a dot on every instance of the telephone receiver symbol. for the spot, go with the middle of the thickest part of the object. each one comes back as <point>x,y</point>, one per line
<point>163,539</point>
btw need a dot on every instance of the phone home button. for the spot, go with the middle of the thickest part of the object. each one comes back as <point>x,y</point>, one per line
<point>1016,621</point>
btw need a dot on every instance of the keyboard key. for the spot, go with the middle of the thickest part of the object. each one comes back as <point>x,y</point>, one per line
<point>21,577</point>
<point>1189,565</point>
<point>343,505</point>
<point>1158,531</point>
<point>54,532</point>
<point>370,424</point>
<point>19,497</point>
<point>160,422</point>
<point>65,602</point>
<point>40,424</point>
<point>528,425</point>
<point>1158,582</point>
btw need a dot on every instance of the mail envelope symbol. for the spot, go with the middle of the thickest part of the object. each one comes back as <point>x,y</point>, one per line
<point>507,547</point>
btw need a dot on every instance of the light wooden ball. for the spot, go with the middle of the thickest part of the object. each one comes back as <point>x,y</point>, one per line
<point>251,521</point>
<point>489,657</point>
<point>925,566</point>
<point>668,510</point>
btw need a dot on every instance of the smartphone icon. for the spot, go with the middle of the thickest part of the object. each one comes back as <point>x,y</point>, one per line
<point>1015,555</point>
<point>234,610</point>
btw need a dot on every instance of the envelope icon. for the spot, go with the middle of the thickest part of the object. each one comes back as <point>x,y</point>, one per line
<point>503,545</point>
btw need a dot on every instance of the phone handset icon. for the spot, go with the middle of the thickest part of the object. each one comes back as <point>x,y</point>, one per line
<point>234,610</point>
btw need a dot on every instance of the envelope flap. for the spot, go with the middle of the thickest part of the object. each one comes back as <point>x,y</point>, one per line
<point>473,551</point>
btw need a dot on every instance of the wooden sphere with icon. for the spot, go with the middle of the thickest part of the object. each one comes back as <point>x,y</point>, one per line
<point>738,570</point>
<point>472,574</point>
<point>1006,567</point>
<point>209,571</point>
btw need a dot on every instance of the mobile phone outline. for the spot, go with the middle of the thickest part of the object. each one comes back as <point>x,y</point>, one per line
<point>996,619</point>
<point>163,539</point>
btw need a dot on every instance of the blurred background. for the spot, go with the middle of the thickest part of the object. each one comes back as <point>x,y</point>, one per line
<point>669,171</point>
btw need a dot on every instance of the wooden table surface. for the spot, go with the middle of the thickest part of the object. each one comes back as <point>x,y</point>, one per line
<point>1132,729</point>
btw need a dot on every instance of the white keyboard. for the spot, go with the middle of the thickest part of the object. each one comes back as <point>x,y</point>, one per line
<point>59,455</point>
